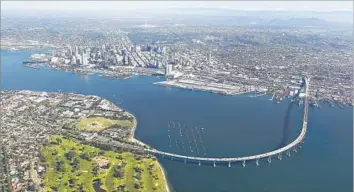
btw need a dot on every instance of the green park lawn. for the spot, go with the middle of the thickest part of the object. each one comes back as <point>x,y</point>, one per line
<point>71,166</point>
<point>100,123</point>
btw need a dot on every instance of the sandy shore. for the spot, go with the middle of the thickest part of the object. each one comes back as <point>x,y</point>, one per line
<point>164,177</point>
<point>132,133</point>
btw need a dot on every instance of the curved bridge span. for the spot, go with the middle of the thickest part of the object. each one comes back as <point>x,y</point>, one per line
<point>278,152</point>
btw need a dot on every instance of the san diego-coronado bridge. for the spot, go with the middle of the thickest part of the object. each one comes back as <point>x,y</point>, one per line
<point>276,153</point>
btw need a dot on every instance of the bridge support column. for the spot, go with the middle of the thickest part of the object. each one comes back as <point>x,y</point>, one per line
<point>171,158</point>
<point>214,164</point>
<point>269,159</point>
<point>280,156</point>
<point>295,149</point>
<point>288,152</point>
<point>229,163</point>
<point>185,160</point>
<point>199,163</point>
<point>244,163</point>
<point>257,162</point>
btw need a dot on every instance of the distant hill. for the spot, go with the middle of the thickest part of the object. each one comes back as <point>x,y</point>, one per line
<point>344,17</point>
<point>211,16</point>
<point>299,22</point>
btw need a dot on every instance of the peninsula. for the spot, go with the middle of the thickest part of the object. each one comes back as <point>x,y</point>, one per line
<point>55,141</point>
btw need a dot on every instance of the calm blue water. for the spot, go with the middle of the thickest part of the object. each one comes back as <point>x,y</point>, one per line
<point>233,126</point>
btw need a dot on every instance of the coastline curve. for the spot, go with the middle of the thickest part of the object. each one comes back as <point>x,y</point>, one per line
<point>288,147</point>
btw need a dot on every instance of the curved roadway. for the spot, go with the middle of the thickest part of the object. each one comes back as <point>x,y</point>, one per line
<point>253,157</point>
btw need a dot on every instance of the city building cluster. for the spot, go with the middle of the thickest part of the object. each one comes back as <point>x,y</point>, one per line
<point>29,119</point>
<point>260,59</point>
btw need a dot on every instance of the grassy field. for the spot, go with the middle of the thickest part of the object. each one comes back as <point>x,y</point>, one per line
<point>71,166</point>
<point>100,123</point>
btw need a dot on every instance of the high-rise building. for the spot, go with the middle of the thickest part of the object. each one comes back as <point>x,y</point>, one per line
<point>70,51</point>
<point>164,50</point>
<point>124,52</point>
<point>73,60</point>
<point>165,59</point>
<point>157,63</point>
<point>129,60</point>
<point>62,53</point>
<point>114,60</point>
<point>124,60</point>
<point>105,57</point>
<point>173,58</point>
<point>76,50</point>
<point>119,59</point>
<point>78,59</point>
<point>84,59</point>
<point>168,69</point>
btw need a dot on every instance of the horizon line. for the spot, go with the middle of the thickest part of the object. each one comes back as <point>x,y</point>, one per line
<point>190,8</point>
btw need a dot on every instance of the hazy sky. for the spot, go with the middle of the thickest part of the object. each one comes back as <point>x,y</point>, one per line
<point>126,5</point>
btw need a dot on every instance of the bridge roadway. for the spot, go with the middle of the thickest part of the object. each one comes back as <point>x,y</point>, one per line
<point>286,148</point>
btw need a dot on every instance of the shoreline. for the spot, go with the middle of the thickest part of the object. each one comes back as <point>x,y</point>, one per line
<point>132,133</point>
<point>168,83</point>
<point>122,74</point>
<point>164,176</point>
<point>209,90</point>
<point>133,139</point>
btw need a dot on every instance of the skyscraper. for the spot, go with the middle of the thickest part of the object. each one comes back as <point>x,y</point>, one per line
<point>78,59</point>
<point>129,60</point>
<point>73,60</point>
<point>168,69</point>
<point>124,60</point>
<point>70,51</point>
<point>84,59</point>
<point>105,57</point>
<point>76,51</point>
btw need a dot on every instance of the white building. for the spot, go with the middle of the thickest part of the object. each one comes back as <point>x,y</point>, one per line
<point>54,59</point>
<point>169,70</point>
<point>302,95</point>
<point>67,61</point>
<point>84,59</point>
<point>105,57</point>
<point>76,50</point>
<point>73,60</point>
